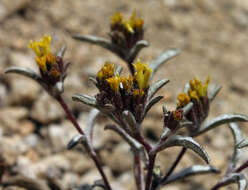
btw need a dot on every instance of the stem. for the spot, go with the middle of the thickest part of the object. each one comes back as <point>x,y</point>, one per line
<point>69,114</point>
<point>138,172</point>
<point>150,171</point>
<point>242,167</point>
<point>174,165</point>
<point>91,151</point>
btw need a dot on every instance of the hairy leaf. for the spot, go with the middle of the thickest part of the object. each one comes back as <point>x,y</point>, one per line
<point>156,87</point>
<point>61,52</point>
<point>238,137</point>
<point>233,178</point>
<point>152,102</point>
<point>75,140</point>
<point>24,71</point>
<point>222,119</point>
<point>136,49</point>
<point>161,59</point>
<point>88,100</point>
<point>243,143</point>
<point>186,142</point>
<point>214,93</point>
<point>191,171</point>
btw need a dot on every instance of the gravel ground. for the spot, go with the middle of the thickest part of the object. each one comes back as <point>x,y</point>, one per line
<point>34,132</point>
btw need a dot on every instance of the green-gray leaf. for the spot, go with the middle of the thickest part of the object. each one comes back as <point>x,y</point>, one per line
<point>88,100</point>
<point>222,119</point>
<point>25,72</point>
<point>186,142</point>
<point>156,87</point>
<point>161,59</point>
<point>191,171</point>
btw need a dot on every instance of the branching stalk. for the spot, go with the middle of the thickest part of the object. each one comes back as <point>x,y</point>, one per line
<point>91,151</point>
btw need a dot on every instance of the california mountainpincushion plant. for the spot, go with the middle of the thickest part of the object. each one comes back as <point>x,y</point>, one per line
<point>127,99</point>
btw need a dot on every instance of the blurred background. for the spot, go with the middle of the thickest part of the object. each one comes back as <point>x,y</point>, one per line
<point>34,132</point>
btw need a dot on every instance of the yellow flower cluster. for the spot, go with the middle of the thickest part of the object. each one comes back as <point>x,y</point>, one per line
<point>114,83</point>
<point>130,25</point>
<point>197,90</point>
<point>142,74</point>
<point>141,77</point>
<point>43,52</point>
<point>106,71</point>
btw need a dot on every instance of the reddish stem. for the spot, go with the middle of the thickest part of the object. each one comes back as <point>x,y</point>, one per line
<point>242,167</point>
<point>91,151</point>
<point>150,171</point>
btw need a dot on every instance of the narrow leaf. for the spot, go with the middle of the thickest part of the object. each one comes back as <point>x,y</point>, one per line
<point>186,142</point>
<point>187,108</point>
<point>91,123</point>
<point>136,49</point>
<point>130,120</point>
<point>152,102</point>
<point>243,143</point>
<point>220,120</point>
<point>75,140</point>
<point>61,52</point>
<point>186,88</point>
<point>191,171</point>
<point>238,137</point>
<point>93,40</point>
<point>156,87</point>
<point>118,70</point>
<point>233,178</point>
<point>88,100</point>
<point>24,71</point>
<point>214,93</point>
<point>161,59</point>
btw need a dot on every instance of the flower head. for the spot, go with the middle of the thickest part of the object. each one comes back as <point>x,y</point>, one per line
<point>106,71</point>
<point>114,83</point>
<point>183,99</point>
<point>44,58</point>
<point>126,82</point>
<point>142,74</point>
<point>198,89</point>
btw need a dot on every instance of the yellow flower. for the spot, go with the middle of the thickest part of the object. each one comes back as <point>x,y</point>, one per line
<point>114,83</point>
<point>117,18</point>
<point>106,71</point>
<point>130,25</point>
<point>126,82</point>
<point>183,99</point>
<point>43,53</point>
<point>42,47</point>
<point>136,22</point>
<point>193,94</point>
<point>138,92</point>
<point>142,74</point>
<point>199,88</point>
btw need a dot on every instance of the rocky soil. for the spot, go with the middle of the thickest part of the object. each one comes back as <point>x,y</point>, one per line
<point>34,132</point>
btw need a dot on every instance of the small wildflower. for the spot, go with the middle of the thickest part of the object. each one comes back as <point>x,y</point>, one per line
<point>126,82</point>
<point>44,58</point>
<point>183,99</point>
<point>197,94</point>
<point>106,71</point>
<point>52,67</point>
<point>135,22</point>
<point>114,83</point>
<point>142,74</point>
<point>116,19</point>
<point>199,88</point>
